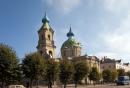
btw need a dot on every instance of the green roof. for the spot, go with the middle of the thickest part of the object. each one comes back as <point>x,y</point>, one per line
<point>71,42</point>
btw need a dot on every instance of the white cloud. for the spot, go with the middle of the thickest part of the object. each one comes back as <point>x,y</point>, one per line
<point>117,41</point>
<point>64,6</point>
<point>115,5</point>
<point>108,54</point>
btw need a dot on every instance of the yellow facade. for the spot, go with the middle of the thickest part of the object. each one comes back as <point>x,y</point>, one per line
<point>46,42</point>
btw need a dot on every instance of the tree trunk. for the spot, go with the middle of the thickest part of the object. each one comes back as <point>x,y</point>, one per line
<point>2,84</point>
<point>75,84</point>
<point>49,84</point>
<point>37,83</point>
<point>65,85</point>
<point>30,83</point>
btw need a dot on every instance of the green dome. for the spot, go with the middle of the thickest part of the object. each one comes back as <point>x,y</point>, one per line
<point>71,42</point>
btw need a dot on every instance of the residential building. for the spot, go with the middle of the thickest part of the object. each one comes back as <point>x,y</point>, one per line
<point>112,64</point>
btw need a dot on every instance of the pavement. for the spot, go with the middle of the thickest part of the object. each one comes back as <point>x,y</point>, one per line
<point>91,86</point>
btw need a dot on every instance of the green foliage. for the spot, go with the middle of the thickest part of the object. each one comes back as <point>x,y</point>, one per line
<point>121,72</point>
<point>94,74</point>
<point>114,75</point>
<point>107,75</point>
<point>9,66</point>
<point>51,70</point>
<point>66,71</point>
<point>33,67</point>
<point>80,71</point>
<point>128,74</point>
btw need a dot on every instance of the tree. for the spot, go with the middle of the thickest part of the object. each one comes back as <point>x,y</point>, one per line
<point>80,71</point>
<point>9,66</point>
<point>121,72</point>
<point>107,75</point>
<point>114,75</point>
<point>51,70</point>
<point>66,71</point>
<point>33,67</point>
<point>128,74</point>
<point>94,74</point>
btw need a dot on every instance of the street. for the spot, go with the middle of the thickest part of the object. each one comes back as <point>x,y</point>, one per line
<point>92,86</point>
<point>105,86</point>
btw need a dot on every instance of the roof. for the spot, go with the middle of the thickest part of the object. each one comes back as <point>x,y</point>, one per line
<point>45,19</point>
<point>126,64</point>
<point>109,60</point>
<point>71,42</point>
<point>46,25</point>
<point>70,33</point>
<point>85,57</point>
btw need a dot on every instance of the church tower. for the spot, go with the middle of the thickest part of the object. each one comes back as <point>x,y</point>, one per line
<point>46,42</point>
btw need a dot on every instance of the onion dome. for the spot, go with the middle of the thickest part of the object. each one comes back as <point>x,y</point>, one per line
<point>46,25</point>
<point>45,19</point>
<point>70,33</point>
<point>70,42</point>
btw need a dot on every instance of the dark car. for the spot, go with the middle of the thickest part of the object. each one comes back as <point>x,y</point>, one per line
<point>123,80</point>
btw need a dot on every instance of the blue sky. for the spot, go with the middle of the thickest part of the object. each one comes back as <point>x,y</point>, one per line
<point>102,26</point>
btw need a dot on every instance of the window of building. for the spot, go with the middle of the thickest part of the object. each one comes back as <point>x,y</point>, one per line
<point>49,37</point>
<point>50,53</point>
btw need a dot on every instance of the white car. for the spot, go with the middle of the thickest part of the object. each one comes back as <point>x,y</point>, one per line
<point>16,86</point>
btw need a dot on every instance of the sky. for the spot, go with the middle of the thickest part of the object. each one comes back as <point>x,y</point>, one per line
<point>101,26</point>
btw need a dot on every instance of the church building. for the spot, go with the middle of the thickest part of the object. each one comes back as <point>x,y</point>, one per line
<point>70,48</point>
<point>46,44</point>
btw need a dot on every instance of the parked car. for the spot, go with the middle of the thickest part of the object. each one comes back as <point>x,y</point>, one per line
<point>16,86</point>
<point>123,80</point>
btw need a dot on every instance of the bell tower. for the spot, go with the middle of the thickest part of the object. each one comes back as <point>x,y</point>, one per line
<point>46,42</point>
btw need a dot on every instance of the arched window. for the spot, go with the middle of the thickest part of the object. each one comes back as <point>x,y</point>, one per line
<point>50,53</point>
<point>49,37</point>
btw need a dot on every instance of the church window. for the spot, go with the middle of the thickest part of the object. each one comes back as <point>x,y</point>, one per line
<point>49,37</point>
<point>50,53</point>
